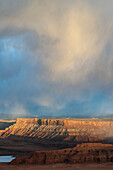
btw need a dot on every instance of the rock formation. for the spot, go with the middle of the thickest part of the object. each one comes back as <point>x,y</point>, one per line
<point>80,154</point>
<point>61,130</point>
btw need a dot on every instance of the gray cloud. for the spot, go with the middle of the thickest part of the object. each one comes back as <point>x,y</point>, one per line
<point>55,56</point>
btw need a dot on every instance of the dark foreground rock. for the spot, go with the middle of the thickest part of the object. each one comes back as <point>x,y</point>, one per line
<point>83,153</point>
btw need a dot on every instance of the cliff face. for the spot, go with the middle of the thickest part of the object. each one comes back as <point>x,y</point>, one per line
<point>67,123</point>
<point>61,130</point>
<point>82,153</point>
<point>40,121</point>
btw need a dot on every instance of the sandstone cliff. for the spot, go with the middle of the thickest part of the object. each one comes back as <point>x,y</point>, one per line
<point>80,154</point>
<point>61,131</point>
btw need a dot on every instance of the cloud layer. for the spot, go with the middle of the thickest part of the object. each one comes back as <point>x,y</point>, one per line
<point>56,57</point>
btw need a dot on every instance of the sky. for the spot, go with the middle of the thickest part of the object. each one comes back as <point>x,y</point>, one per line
<point>56,57</point>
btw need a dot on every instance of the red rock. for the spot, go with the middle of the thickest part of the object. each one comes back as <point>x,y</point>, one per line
<point>81,154</point>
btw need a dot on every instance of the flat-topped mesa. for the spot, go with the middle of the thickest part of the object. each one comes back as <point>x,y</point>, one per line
<point>40,121</point>
<point>65,122</point>
<point>65,131</point>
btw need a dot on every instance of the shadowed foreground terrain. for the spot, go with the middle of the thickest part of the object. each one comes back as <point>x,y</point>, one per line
<point>82,153</point>
<point>94,166</point>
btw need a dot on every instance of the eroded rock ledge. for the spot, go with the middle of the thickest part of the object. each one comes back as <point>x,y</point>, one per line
<point>87,152</point>
<point>68,123</point>
<point>61,131</point>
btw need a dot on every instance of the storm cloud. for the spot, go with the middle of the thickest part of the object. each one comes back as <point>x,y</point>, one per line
<point>56,57</point>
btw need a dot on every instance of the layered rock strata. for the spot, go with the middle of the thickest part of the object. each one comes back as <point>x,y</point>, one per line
<point>61,130</point>
<point>82,153</point>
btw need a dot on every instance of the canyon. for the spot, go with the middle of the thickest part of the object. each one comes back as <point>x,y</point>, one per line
<point>48,141</point>
<point>61,131</point>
